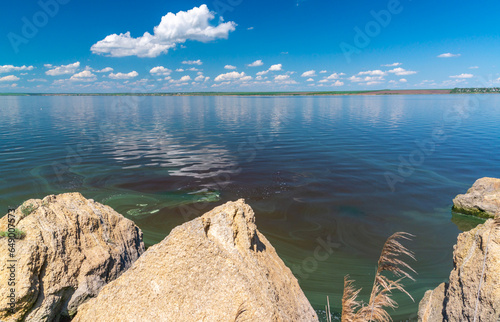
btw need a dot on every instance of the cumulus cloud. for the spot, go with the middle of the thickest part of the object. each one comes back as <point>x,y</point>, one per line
<point>85,76</point>
<point>201,78</point>
<point>193,62</point>
<point>309,73</point>
<point>105,70</point>
<point>173,29</point>
<point>355,79</point>
<point>62,70</point>
<point>377,72</point>
<point>403,80</point>
<point>323,72</point>
<point>160,70</point>
<point>462,76</point>
<point>334,76</point>
<point>229,67</point>
<point>281,77</point>
<point>310,80</point>
<point>401,71</point>
<point>186,78</point>
<point>11,68</point>
<point>393,65</point>
<point>256,63</point>
<point>123,76</point>
<point>448,55</point>
<point>232,76</point>
<point>275,68</point>
<point>10,78</point>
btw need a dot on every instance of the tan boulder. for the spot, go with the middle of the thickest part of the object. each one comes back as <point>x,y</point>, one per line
<point>218,267</point>
<point>482,199</point>
<point>72,247</point>
<point>458,299</point>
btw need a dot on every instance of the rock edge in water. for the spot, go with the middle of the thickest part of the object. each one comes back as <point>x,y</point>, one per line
<point>457,299</point>
<point>71,248</point>
<point>217,267</point>
<point>481,200</point>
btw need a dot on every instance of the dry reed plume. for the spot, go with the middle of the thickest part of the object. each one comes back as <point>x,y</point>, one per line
<point>380,298</point>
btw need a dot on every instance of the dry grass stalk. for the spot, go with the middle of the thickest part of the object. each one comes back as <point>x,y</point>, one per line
<point>383,286</point>
<point>349,302</point>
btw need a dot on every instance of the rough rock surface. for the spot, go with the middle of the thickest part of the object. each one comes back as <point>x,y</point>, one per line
<point>218,267</point>
<point>72,248</point>
<point>456,300</point>
<point>482,199</point>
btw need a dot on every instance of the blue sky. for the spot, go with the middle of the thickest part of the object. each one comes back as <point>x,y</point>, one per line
<point>243,45</point>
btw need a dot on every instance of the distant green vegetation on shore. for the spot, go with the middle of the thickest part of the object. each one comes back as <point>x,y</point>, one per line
<point>196,93</point>
<point>473,90</point>
<point>298,93</point>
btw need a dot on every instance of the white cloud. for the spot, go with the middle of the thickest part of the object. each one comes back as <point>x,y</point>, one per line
<point>355,79</point>
<point>85,76</point>
<point>373,83</point>
<point>37,80</point>
<point>200,78</point>
<point>310,80</point>
<point>229,67</point>
<point>179,70</point>
<point>462,76</point>
<point>338,83</point>
<point>193,62</point>
<point>250,28</point>
<point>309,73</point>
<point>403,80</point>
<point>105,70</point>
<point>281,77</point>
<point>474,67</point>
<point>173,29</point>
<point>334,76</point>
<point>448,55</point>
<point>275,68</point>
<point>193,69</point>
<point>160,70</point>
<point>402,72</point>
<point>230,76</point>
<point>377,72</point>
<point>393,65</point>
<point>256,63</point>
<point>185,78</point>
<point>123,76</point>
<point>10,78</point>
<point>62,70</point>
<point>11,68</point>
<point>323,72</point>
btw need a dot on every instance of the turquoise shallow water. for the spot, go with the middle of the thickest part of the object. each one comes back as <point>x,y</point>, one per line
<point>344,171</point>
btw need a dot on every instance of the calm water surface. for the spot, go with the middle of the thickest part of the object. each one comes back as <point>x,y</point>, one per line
<point>348,170</point>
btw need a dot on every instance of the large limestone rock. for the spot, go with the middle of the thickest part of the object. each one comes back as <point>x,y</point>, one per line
<point>482,199</point>
<point>71,249</point>
<point>218,267</point>
<point>456,300</point>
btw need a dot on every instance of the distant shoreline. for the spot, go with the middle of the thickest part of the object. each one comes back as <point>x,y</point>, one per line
<point>333,93</point>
